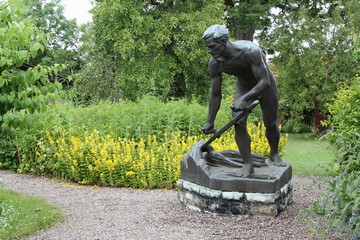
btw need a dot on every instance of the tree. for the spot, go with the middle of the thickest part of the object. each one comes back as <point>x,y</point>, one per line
<point>62,35</point>
<point>150,47</point>
<point>21,92</point>
<point>244,17</point>
<point>314,44</point>
<point>155,47</point>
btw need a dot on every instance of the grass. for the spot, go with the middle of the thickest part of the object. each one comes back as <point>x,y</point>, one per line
<point>22,216</point>
<point>308,155</point>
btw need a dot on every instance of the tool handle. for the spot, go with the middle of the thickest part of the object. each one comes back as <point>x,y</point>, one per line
<point>229,124</point>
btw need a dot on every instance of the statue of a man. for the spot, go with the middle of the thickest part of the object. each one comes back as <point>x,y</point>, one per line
<point>247,62</point>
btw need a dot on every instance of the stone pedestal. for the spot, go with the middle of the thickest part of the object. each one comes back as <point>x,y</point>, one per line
<point>210,183</point>
<point>209,200</point>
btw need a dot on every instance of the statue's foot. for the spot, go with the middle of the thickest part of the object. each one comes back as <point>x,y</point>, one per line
<point>246,170</point>
<point>277,161</point>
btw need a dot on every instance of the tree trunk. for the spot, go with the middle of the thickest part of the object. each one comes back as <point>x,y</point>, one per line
<point>241,35</point>
<point>234,23</point>
<point>177,87</point>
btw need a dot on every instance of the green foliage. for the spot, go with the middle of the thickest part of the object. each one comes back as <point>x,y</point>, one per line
<point>155,47</point>
<point>62,35</point>
<point>39,123</point>
<point>292,126</point>
<point>340,205</point>
<point>21,92</point>
<point>125,120</point>
<point>345,119</point>
<point>104,131</point>
<point>314,45</point>
<point>149,116</point>
<point>21,216</point>
<point>148,47</point>
<point>338,208</point>
<point>8,151</point>
<point>122,145</point>
<point>245,16</point>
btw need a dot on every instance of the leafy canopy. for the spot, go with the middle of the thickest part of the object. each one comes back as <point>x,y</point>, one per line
<point>313,40</point>
<point>62,35</point>
<point>21,92</point>
<point>148,47</point>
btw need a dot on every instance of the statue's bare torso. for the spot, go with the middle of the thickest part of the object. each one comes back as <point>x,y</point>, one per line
<point>244,55</point>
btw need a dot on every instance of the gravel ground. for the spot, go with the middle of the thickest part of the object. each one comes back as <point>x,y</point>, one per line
<point>116,213</point>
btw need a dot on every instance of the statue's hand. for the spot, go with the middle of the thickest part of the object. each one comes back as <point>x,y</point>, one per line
<point>208,128</point>
<point>238,105</point>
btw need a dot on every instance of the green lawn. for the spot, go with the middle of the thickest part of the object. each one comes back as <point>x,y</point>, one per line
<point>308,155</point>
<point>21,216</point>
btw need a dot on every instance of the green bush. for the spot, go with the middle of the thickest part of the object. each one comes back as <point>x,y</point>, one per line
<point>8,150</point>
<point>128,120</point>
<point>122,120</point>
<point>97,157</point>
<point>82,143</point>
<point>345,119</point>
<point>149,116</point>
<point>339,207</point>
<point>292,126</point>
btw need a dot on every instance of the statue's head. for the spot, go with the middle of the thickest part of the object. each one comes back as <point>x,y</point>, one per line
<point>216,38</point>
<point>217,32</point>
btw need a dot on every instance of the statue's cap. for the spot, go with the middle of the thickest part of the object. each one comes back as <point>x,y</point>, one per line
<point>216,31</point>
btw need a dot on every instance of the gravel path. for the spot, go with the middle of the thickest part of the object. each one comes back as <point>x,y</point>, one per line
<point>116,213</point>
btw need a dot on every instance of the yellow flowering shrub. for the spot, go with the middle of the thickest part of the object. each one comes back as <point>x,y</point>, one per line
<point>90,157</point>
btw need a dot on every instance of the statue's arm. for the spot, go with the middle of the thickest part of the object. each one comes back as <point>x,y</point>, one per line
<point>214,99</point>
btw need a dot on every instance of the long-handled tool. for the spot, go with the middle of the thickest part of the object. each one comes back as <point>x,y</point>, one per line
<point>218,133</point>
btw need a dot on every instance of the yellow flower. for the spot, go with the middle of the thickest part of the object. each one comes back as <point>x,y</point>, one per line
<point>130,174</point>
<point>110,165</point>
<point>141,166</point>
<point>90,167</point>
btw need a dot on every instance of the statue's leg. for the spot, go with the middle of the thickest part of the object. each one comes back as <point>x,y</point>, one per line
<point>243,142</point>
<point>269,106</point>
<point>242,137</point>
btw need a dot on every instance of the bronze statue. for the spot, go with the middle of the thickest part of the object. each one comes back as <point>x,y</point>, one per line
<point>246,61</point>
